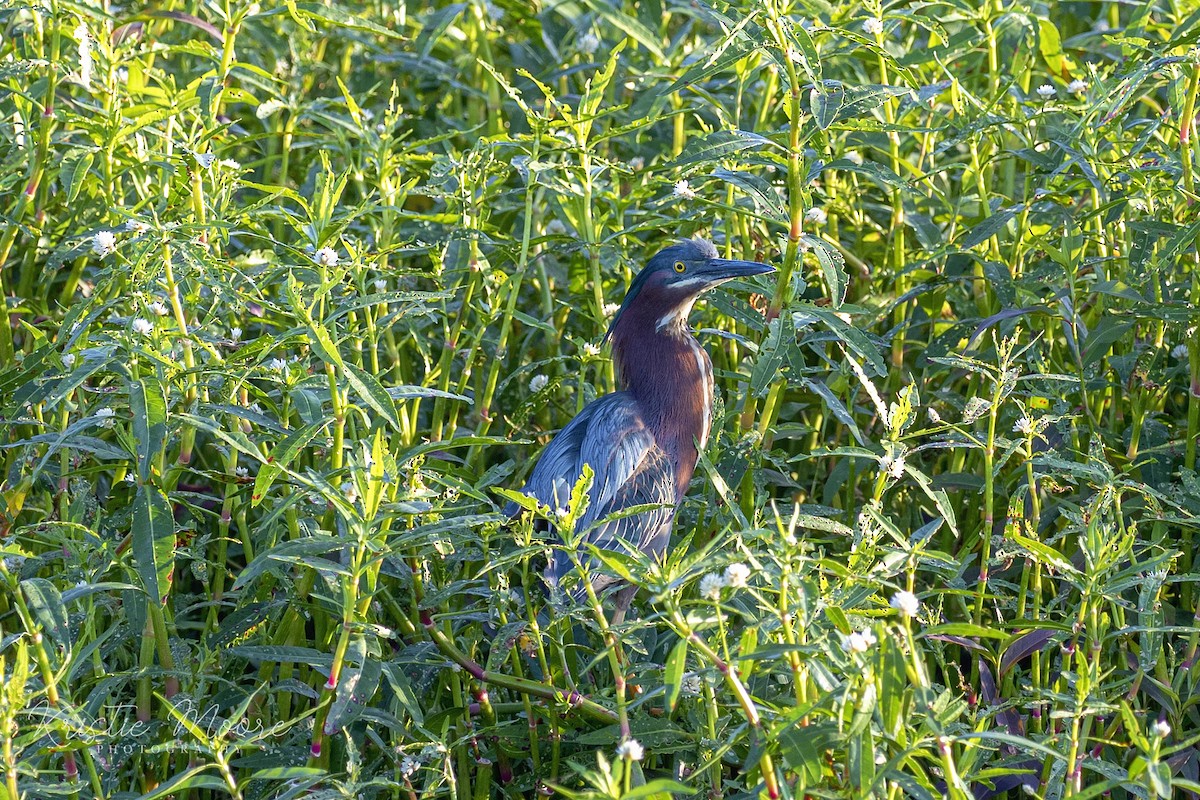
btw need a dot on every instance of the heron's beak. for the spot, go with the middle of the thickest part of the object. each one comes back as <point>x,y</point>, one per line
<point>719,270</point>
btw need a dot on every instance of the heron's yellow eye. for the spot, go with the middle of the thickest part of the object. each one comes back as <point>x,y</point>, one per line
<point>679,266</point>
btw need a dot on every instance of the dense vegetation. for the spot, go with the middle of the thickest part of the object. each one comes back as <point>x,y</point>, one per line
<point>298,290</point>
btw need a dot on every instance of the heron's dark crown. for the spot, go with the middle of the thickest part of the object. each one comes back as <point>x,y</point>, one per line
<point>676,275</point>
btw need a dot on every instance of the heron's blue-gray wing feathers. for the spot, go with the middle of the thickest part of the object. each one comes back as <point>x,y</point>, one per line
<point>630,469</point>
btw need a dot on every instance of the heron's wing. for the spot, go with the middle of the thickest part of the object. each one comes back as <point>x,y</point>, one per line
<point>558,468</point>
<point>652,483</point>
<point>630,469</point>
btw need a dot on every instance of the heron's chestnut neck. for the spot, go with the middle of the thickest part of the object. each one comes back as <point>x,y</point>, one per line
<point>666,370</point>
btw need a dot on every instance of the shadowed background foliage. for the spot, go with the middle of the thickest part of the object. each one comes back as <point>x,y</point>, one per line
<point>296,293</point>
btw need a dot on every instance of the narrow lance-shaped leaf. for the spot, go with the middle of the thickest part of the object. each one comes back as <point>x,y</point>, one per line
<point>673,678</point>
<point>372,392</point>
<point>148,402</point>
<point>283,455</point>
<point>718,145</point>
<point>153,541</point>
<point>833,269</point>
<point>46,605</point>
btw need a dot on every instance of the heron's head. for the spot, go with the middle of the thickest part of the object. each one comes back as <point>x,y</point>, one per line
<point>671,281</point>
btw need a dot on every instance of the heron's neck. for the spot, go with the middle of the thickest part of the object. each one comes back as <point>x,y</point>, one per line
<point>666,370</point>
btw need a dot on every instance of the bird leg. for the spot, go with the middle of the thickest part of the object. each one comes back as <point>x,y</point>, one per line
<point>623,600</point>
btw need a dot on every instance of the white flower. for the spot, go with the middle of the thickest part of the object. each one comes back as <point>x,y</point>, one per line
<point>691,685</point>
<point>854,157</point>
<point>861,641</point>
<point>122,76</point>
<point>68,360</point>
<point>934,416</point>
<point>737,576</point>
<point>85,55</point>
<point>555,227</point>
<point>268,108</point>
<point>241,472</point>
<point>205,160</point>
<point>350,490</point>
<point>873,26</point>
<point>589,44</point>
<point>380,284</point>
<point>158,308</point>
<point>711,586</point>
<point>408,766</point>
<point>107,417</point>
<point>230,164</point>
<point>1024,426</point>
<point>277,364</point>
<point>895,469</point>
<point>1046,90</point>
<point>906,603</point>
<point>684,191</point>
<point>104,243</point>
<point>537,383</point>
<point>610,309</point>
<point>1077,86</point>
<point>136,226</point>
<point>637,163</point>
<point>816,215</point>
<point>326,257</point>
<point>143,326</point>
<point>590,349</point>
<point>1180,351</point>
<point>631,749</point>
<point>1161,729</point>
<point>235,334</point>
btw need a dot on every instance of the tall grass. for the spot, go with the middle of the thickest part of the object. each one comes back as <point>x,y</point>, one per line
<point>297,291</point>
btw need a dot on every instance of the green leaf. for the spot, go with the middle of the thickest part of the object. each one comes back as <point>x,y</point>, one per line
<point>334,15</point>
<point>803,748</point>
<point>1100,339</point>
<point>502,643</point>
<point>660,788</point>
<point>369,389</point>
<point>718,145</point>
<point>148,402</point>
<point>833,268</point>
<point>630,26</point>
<point>74,172</point>
<point>286,773</point>
<point>765,196</point>
<point>673,677</point>
<point>46,605</point>
<point>193,778</point>
<point>825,103</point>
<point>1050,46</point>
<point>323,343</point>
<point>809,60</point>
<point>965,629</point>
<point>209,93</point>
<point>594,89</point>
<point>989,227</point>
<point>723,56</point>
<point>288,551</point>
<point>1045,554</point>
<point>283,455</point>
<point>356,686</point>
<point>153,541</point>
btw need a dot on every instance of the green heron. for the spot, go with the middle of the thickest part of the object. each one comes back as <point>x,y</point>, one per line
<point>642,442</point>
